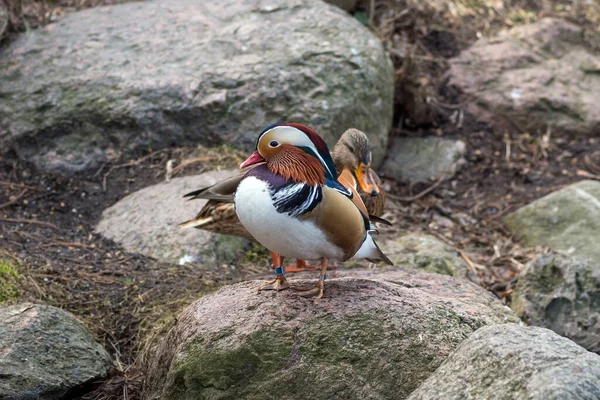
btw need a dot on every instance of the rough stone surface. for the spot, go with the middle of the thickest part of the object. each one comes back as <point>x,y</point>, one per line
<point>562,293</point>
<point>116,79</point>
<point>424,252</point>
<point>510,361</point>
<point>536,75</point>
<point>346,5</point>
<point>147,221</point>
<point>376,334</point>
<point>419,159</point>
<point>45,352</point>
<point>568,220</point>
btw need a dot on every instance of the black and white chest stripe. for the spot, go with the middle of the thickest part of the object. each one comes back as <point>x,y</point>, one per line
<point>296,199</point>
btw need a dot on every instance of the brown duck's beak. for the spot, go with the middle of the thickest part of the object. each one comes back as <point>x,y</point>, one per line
<point>364,175</point>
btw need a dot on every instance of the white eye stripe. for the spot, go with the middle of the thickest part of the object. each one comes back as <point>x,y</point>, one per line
<point>291,135</point>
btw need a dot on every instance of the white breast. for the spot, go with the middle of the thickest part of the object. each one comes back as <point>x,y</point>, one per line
<point>285,235</point>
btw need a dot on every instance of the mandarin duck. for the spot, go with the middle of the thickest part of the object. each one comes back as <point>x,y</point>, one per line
<point>292,203</point>
<point>352,159</point>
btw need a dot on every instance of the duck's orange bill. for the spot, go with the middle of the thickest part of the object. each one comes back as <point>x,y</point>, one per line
<point>255,158</point>
<point>365,180</point>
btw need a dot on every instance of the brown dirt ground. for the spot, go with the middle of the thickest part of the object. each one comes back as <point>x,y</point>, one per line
<point>47,221</point>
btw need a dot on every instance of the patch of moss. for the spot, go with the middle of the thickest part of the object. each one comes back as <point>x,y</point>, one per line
<point>9,278</point>
<point>256,254</point>
<point>207,369</point>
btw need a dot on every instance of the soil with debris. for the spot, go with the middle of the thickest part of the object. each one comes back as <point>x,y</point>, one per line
<point>47,221</point>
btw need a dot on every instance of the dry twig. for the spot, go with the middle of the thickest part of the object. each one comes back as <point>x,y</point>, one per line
<point>29,221</point>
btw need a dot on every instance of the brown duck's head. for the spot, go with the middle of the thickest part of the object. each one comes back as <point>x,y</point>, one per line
<point>353,151</point>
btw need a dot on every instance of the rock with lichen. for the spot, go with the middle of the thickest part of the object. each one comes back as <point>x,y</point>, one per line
<point>561,292</point>
<point>567,220</point>
<point>119,79</point>
<point>376,334</point>
<point>46,353</point>
<point>420,159</point>
<point>539,76</point>
<point>510,361</point>
<point>424,252</point>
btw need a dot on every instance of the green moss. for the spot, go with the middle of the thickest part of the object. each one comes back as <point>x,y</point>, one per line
<point>256,253</point>
<point>9,278</point>
<point>207,369</point>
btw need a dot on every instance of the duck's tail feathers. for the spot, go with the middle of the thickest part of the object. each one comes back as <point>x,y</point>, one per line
<point>382,257</point>
<point>380,220</point>
<point>369,250</point>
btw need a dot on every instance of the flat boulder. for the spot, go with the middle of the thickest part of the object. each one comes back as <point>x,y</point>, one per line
<point>147,222</point>
<point>567,220</point>
<point>561,292</point>
<point>510,361</point>
<point>376,334</point>
<point>119,79</point>
<point>535,76</point>
<point>420,159</point>
<point>46,353</point>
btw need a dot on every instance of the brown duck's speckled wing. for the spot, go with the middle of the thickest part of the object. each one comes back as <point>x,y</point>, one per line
<point>373,205</point>
<point>218,214</point>
<point>219,217</point>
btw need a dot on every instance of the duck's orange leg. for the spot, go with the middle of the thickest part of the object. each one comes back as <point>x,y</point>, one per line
<point>279,283</point>
<point>301,265</point>
<point>320,288</point>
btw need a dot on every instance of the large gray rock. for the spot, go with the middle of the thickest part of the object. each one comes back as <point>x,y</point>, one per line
<point>147,222</point>
<point>116,79</point>
<point>45,352</point>
<point>568,220</point>
<point>424,252</point>
<point>514,362</point>
<point>536,75</point>
<point>376,334</point>
<point>562,293</point>
<point>419,159</point>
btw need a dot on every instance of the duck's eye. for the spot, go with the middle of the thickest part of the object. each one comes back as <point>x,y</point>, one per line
<point>351,149</point>
<point>273,143</point>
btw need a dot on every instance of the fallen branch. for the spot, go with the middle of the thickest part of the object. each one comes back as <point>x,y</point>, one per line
<point>129,164</point>
<point>586,174</point>
<point>13,201</point>
<point>18,185</point>
<point>418,196</point>
<point>67,244</point>
<point>29,221</point>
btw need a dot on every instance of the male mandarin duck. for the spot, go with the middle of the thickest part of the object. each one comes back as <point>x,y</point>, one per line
<point>352,159</point>
<point>293,204</point>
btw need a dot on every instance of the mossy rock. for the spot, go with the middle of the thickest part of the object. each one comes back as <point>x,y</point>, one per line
<point>424,252</point>
<point>567,220</point>
<point>375,335</point>
<point>419,159</point>
<point>511,361</point>
<point>107,81</point>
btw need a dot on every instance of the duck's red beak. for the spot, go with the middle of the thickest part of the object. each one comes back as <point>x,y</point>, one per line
<point>255,158</point>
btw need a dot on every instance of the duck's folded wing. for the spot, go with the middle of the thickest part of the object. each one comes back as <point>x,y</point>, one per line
<point>222,191</point>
